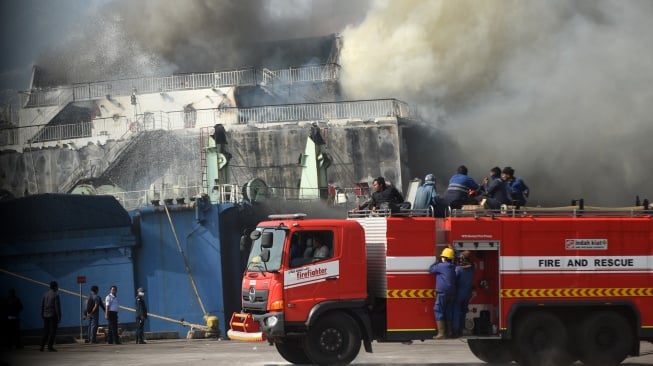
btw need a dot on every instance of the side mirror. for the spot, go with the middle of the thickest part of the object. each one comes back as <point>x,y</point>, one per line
<point>255,234</point>
<point>266,240</point>
<point>265,255</point>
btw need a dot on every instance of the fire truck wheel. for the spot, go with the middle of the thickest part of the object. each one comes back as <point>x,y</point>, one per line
<point>606,339</point>
<point>541,338</point>
<point>292,350</point>
<point>335,339</point>
<point>490,350</point>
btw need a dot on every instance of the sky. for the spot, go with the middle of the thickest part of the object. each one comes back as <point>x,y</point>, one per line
<point>28,27</point>
<point>559,90</point>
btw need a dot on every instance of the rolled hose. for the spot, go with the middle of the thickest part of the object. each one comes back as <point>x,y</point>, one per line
<point>243,336</point>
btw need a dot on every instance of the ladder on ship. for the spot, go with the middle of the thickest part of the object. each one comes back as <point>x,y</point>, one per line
<point>205,136</point>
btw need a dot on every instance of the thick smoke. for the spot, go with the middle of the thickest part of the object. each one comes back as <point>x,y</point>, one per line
<point>158,37</point>
<point>559,90</point>
<point>98,50</point>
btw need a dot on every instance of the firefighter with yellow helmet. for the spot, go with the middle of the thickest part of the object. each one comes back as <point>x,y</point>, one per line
<point>445,292</point>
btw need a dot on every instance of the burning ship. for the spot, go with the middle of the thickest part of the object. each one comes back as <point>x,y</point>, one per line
<point>151,181</point>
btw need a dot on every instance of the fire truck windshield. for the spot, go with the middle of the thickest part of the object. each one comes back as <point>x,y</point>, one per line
<point>257,256</point>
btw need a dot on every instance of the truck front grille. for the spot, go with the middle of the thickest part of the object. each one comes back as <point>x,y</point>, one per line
<point>255,301</point>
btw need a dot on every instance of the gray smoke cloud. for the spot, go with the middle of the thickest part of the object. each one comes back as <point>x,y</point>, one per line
<point>559,90</point>
<point>158,37</point>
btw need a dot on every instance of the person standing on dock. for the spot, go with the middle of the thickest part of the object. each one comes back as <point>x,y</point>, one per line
<point>141,315</point>
<point>111,315</point>
<point>93,305</point>
<point>51,315</point>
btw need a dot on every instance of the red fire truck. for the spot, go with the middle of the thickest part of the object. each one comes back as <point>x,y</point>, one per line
<point>549,286</point>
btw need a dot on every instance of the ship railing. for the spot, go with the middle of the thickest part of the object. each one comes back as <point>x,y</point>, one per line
<point>217,79</point>
<point>27,136</point>
<point>19,138</point>
<point>101,129</point>
<point>175,195</point>
<point>345,198</point>
<point>177,120</point>
<point>327,72</point>
<point>56,132</point>
<point>362,109</point>
<point>122,87</point>
<point>58,96</point>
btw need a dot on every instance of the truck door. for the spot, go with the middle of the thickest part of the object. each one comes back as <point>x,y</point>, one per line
<point>313,274</point>
<point>482,319</point>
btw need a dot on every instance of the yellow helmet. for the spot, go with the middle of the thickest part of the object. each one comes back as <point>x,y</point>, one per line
<point>447,253</point>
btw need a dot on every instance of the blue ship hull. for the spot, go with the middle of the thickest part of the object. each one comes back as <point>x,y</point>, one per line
<point>62,237</point>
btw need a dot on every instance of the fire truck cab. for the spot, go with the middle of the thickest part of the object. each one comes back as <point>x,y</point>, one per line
<point>547,287</point>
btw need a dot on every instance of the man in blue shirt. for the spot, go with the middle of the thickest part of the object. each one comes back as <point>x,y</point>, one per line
<point>464,287</point>
<point>516,187</point>
<point>445,292</point>
<point>458,191</point>
<point>426,195</point>
<point>495,190</point>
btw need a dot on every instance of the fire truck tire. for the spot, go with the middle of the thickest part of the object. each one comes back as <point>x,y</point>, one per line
<point>541,338</point>
<point>292,350</point>
<point>606,339</point>
<point>491,350</point>
<point>335,339</point>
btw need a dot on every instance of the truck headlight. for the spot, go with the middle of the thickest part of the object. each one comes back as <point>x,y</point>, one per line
<point>271,321</point>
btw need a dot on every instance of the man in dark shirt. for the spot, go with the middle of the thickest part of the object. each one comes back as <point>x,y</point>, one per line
<point>51,315</point>
<point>93,305</point>
<point>517,189</point>
<point>141,315</point>
<point>383,197</point>
<point>495,192</point>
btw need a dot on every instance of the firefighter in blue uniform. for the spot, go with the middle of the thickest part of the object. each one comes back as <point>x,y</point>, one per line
<point>141,315</point>
<point>445,289</point>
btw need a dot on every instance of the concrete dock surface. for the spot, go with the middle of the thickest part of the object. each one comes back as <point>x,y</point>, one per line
<point>200,352</point>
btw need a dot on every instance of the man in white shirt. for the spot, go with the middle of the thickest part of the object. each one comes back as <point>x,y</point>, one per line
<point>320,251</point>
<point>111,315</point>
